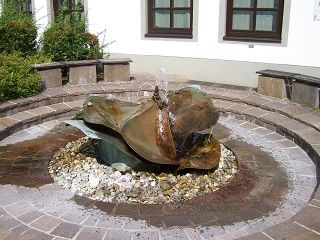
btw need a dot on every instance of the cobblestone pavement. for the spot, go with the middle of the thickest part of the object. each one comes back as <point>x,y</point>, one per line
<point>274,196</point>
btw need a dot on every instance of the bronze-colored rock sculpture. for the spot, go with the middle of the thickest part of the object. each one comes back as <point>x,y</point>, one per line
<point>172,131</point>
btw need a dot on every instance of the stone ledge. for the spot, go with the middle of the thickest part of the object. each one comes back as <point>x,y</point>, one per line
<point>79,63</point>
<point>45,66</point>
<point>115,61</point>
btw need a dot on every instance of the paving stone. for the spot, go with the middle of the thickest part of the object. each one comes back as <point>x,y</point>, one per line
<point>235,95</point>
<point>209,232</point>
<point>4,232</point>
<point>257,226</point>
<point>92,233</point>
<point>192,233</point>
<point>285,143</point>
<point>255,236</point>
<point>279,216</point>
<point>255,112</point>
<point>46,223</point>
<point>284,230</point>
<point>41,111</point>
<point>66,230</point>
<point>233,235</point>
<point>309,216</point>
<point>173,234</point>
<point>110,222</point>
<point>306,235</point>
<point>30,216</point>
<point>9,196</point>
<point>128,209</point>
<point>7,122</point>
<point>119,234</point>
<point>200,218</point>
<point>34,234</point>
<point>292,111</point>
<point>146,209</point>
<point>306,181</point>
<point>92,220</point>
<point>20,229</point>
<point>8,221</point>
<point>135,224</point>
<point>293,204</point>
<point>19,208</point>
<point>238,107</point>
<point>74,216</point>
<point>311,119</point>
<point>274,118</point>
<point>222,104</point>
<point>23,116</point>
<point>256,100</point>
<point>273,137</point>
<point>176,221</point>
<point>248,214</point>
<point>75,104</point>
<point>145,235</point>
<point>314,203</point>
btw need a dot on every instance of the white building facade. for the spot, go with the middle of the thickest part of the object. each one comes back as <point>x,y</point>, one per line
<point>222,41</point>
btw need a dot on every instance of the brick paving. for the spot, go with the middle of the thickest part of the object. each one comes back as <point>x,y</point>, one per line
<point>275,195</point>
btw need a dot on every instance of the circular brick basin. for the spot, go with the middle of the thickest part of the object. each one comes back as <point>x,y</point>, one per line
<point>275,182</point>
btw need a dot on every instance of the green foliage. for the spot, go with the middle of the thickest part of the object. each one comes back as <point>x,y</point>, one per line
<point>68,39</point>
<point>17,79</point>
<point>18,30</point>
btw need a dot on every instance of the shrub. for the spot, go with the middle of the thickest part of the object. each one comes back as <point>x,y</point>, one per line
<point>17,79</point>
<point>68,39</point>
<point>18,30</point>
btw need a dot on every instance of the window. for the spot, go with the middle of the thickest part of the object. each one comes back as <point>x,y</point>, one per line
<point>254,20</point>
<point>71,6</point>
<point>24,5</point>
<point>170,18</point>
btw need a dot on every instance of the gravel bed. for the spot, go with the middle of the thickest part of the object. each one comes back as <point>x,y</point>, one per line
<point>76,167</point>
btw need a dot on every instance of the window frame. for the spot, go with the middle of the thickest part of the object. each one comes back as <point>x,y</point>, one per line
<point>254,35</point>
<point>168,32</point>
<point>56,8</point>
<point>24,5</point>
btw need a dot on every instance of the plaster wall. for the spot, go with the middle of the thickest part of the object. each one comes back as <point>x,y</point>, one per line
<point>125,22</point>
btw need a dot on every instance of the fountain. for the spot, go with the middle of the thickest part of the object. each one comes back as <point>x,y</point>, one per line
<point>163,132</point>
<point>145,139</point>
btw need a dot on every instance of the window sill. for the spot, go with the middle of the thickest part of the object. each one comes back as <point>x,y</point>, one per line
<point>164,35</point>
<point>252,39</point>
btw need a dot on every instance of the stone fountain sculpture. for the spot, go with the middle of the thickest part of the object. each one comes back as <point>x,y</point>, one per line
<point>174,130</point>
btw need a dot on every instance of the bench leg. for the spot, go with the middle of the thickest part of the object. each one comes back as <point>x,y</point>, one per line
<point>116,72</point>
<point>273,87</point>
<point>305,94</point>
<point>51,77</point>
<point>82,75</point>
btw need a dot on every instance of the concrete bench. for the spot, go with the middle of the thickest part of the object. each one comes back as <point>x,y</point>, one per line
<point>50,73</point>
<point>302,89</point>
<point>117,69</point>
<point>82,71</point>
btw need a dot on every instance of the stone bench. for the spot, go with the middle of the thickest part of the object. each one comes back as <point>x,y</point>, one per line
<point>82,71</point>
<point>302,89</point>
<point>117,69</point>
<point>50,73</point>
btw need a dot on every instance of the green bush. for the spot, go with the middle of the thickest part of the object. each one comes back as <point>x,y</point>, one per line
<point>68,39</point>
<point>18,30</point>
<point>17,79</point>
